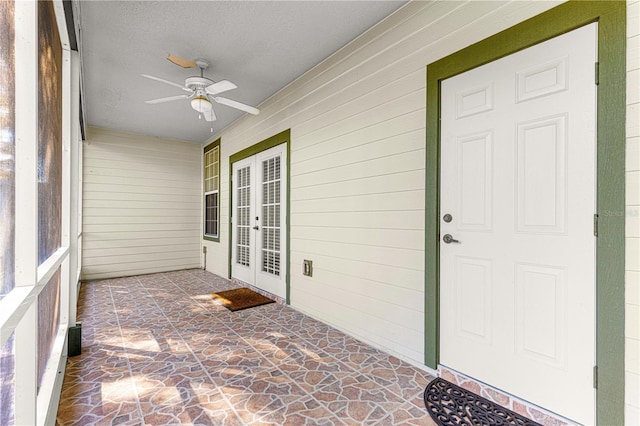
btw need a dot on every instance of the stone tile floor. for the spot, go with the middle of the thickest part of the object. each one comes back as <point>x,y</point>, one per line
<point>157,350</point>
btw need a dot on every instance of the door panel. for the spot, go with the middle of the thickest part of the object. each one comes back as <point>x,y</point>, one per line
<point>271,199</point>
<point>473,291</point>
<point>541,326</point>
<point>475,170</point>
<point>243,256</point>
<point>517,289</point>
<point>541,175</point>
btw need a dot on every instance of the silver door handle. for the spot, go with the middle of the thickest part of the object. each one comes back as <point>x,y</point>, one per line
<point>448,239</point>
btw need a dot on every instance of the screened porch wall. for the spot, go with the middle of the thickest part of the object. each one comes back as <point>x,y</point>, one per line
<point>141,204</point>
<point>39,303</point>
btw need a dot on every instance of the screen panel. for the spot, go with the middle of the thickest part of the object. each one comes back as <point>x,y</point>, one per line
<point>7,381</point>
<point>48,321</point>
<point>7,147</point>
<point>49,132</point>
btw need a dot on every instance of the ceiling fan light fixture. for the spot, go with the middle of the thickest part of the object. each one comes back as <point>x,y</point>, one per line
<point>201,104</point>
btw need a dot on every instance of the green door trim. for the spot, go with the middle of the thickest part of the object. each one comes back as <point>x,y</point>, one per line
<point>279,139</point>
<point>610,193</point>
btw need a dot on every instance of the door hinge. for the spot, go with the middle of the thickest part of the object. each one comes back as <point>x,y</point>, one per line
<point>595,377</point>
<point>597,73</point>
<point>595,225</point>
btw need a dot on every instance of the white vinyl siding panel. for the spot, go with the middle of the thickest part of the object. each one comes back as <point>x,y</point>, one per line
<point>357,169</point>
<point>632,218</point>
<point>357,184</point>
<point>141,210</point>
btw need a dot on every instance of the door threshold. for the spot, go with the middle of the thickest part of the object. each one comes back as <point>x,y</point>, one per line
<point>277,299</point>
<point>508,401</point>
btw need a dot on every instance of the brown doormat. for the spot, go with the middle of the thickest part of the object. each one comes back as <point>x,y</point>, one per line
<point>240,298</point>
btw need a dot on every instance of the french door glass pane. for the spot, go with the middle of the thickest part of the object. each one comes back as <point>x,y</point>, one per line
<point>271,216</point>
<point>243,219</point>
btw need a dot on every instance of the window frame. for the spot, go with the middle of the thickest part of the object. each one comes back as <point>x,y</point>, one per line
<point>210,237</point>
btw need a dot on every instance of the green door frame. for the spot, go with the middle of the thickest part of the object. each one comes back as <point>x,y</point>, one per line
<point>610,193</point>
<point>280,138</point>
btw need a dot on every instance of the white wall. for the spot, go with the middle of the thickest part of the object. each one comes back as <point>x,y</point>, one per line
<point>141,204</point>
<point>632,311</point>
<point>357,169</point>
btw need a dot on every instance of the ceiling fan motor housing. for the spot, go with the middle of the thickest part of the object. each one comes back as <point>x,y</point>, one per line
<point>195,83</point>
<point>203,64</point>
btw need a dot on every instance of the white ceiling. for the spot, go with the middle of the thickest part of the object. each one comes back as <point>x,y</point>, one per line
<point>259,45</point>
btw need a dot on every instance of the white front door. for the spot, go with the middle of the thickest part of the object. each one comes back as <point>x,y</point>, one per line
<point>258,220</point>
<point>517,244</point>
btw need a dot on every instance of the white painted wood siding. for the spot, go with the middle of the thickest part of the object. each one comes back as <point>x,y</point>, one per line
<point>632,284</point>
<point>358,169</point>
<point>141,204</point>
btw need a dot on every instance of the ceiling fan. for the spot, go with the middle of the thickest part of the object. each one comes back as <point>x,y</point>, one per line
<point>202,90</point>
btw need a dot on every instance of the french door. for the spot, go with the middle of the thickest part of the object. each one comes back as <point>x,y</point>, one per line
<point>258,254</point>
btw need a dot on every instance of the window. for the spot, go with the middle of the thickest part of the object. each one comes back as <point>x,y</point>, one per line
<point>211,191</point>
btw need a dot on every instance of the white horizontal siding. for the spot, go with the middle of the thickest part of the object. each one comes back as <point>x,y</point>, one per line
<point>390,276</point>
<point>357,125</point>
<point>141,205</point>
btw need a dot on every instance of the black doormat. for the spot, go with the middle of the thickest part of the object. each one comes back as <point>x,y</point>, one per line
<point>449,404</point>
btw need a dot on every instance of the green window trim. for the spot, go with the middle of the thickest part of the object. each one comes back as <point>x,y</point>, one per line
<point>278,139</point>
<point>610,192</point>
<point>214,179</point>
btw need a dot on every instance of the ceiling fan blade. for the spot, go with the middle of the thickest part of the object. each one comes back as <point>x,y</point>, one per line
<point>168,99</point>
<point>219,87</point>
<point>209,115</point>
<point>162,80</point>
<point>237,105</point>
<point>184,63</point>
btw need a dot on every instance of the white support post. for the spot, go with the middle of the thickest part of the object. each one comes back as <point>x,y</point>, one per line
<point>76,144</point>
<point>26,219</point>
<point>26,137</point>
<point>67,194</point>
